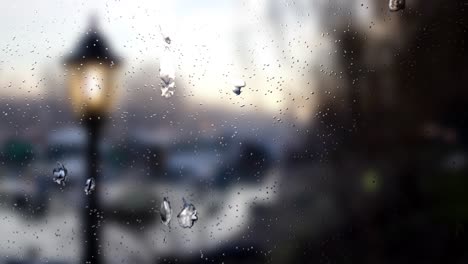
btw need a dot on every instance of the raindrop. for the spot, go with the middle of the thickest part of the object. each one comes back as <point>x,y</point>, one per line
<point>238,85</point>
<point>60,174</point>
<point>167,69</point>
<point>165,212</point>
<point>90,186</point>
<point>167,74</point>
<point>166,38</point>
<point>396,5</point>
<point>167,86</point>
<point>188,215</point>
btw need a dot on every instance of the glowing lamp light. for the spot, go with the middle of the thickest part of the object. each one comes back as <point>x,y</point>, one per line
<point>92,69</point>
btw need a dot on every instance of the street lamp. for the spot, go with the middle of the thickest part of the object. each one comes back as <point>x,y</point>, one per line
<point>91,71</point>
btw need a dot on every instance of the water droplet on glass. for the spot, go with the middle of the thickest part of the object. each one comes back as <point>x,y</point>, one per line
<point>60,174</point>
<point>167,86</point>
<point>90,186</point>
<point>167,73</point>
<point>396,5</point>
<point>167,68</point>
<point>188,215</point>
<point>166,38</point>
<point>165,212</point>
<point>238,85</point>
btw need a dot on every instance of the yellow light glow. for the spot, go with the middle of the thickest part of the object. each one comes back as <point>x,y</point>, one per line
<point>92,88</point>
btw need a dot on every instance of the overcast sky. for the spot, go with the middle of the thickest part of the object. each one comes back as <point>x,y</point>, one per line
<point>214,42</point>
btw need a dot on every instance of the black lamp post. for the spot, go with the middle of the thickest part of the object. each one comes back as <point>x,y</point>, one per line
<point>91,70</point>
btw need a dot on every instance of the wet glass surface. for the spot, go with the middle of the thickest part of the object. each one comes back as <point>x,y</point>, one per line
<point>232,131</point>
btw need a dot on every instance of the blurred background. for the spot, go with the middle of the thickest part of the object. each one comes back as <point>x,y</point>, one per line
<point>348,143</point>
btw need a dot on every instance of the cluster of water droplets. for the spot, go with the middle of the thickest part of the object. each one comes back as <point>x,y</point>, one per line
<point>186,217</point>
<point>60,177</point>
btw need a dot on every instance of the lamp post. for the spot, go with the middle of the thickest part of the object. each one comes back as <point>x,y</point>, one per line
<point>91,70</point>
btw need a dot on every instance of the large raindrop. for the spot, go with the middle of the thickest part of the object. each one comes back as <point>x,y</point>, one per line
<point>238,85</point>
<point>90,186</point>
<point>165,211</point>
<point>167,69</point>
<point>60,174</point>
<point>396,5</point>
<point>188,216</point>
